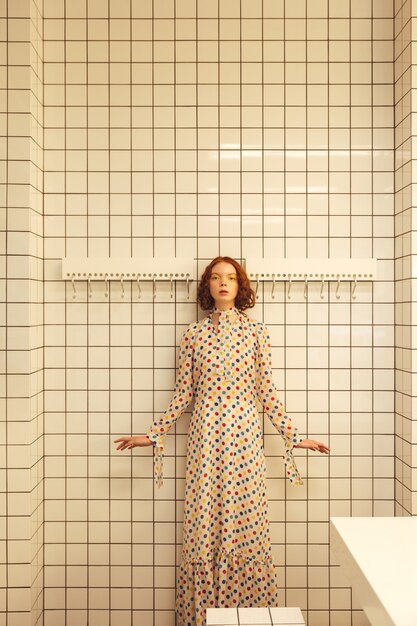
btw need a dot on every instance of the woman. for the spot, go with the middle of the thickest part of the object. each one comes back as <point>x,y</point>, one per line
<point>225,364</point>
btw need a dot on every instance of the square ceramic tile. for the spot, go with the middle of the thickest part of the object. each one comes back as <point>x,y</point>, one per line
<point>221,617</point>
<point>252,616</point>
<point>286,615</point>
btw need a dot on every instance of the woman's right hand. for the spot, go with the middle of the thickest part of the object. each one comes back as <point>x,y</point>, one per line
<point>132,442</point>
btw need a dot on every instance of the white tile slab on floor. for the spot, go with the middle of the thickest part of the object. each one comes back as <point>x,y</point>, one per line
<point>286,615</point>
<point>220,617</point>
<point>256,616</point>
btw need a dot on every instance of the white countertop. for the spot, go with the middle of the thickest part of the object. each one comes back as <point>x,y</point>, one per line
<point>378,556</point>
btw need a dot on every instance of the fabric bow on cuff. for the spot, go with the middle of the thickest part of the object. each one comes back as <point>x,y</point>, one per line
<point>158,442</point>
<point>291,469</point>
<point>290,465</point>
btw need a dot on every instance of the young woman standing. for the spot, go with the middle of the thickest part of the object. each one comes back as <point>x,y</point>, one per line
<point>225,365</point>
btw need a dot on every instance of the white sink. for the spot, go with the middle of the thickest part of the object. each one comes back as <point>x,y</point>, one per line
<point>378,556</point>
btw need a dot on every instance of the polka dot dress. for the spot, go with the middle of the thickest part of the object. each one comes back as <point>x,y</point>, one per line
<point>226,557</point>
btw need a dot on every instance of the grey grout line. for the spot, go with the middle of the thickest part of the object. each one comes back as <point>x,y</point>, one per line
<point>7,316</point>
<point>153,316</point>
<point>87,311</point>
<point>131,315</point>
<point>66,331</point>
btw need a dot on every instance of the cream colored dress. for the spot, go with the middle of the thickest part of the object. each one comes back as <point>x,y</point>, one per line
<point>226,556</point>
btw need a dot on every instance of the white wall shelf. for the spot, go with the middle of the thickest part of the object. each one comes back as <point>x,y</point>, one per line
<point>158,268</point>
<point>312,269</point>
<point>178,268</point>
<point>183,268</point>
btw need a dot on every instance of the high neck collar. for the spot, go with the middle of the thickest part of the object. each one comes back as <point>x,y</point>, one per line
<point>232,310</point>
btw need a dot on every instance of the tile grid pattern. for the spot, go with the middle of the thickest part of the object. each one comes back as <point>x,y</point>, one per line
<point>36,298</point>
<point>92,218</point>
<point>21,401</point>
<point>291,176</point>
<point>405,455</point>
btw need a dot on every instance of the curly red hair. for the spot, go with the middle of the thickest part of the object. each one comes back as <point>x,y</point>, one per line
<point>245,298</point>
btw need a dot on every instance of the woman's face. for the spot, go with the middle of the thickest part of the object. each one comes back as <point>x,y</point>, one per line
<point>223,279</point>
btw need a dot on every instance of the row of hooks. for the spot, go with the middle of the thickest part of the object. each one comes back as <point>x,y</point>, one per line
<point>106,280</point>
<point>188,278</point>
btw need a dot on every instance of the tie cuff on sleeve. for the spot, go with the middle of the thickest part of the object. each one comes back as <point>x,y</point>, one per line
<point>158,456</point>
<point>158,463</point>
<point>291,469</point>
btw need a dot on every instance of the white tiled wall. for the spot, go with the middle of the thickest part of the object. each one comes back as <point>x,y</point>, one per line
<point>21,395</point>
<point>239,127</point>
<point>243,128</point>
<point>405,416</point>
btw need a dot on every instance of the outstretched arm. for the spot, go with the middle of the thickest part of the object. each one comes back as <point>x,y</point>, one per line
<point>183,394</point>
<point>268,395</point>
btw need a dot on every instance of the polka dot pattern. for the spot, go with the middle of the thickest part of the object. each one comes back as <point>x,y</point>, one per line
<point>226,557</point>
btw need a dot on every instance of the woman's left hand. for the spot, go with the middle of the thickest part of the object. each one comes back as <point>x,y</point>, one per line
<point>312,444</point>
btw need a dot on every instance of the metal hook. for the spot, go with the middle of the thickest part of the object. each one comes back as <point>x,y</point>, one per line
<point>137,280</point>
<point>107,285</point>
<point>188,286</point>
<point>172,293</point>
<point>74,295</point>
<point>122,286</point>
<point>154,286</point>
<point>90,290</point>
<point>337,288</point>
<point>322,286</point>
<point>305,286</point>
<point>273,286</point>
<point>289,288</point>
<point>354,288</point>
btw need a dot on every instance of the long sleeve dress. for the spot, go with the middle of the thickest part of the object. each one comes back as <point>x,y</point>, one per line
<point>226,556</point>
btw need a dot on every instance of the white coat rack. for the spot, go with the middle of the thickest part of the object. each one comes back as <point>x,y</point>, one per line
<point>121,269</point>
<point>276,268</point>
<point>182,268</point>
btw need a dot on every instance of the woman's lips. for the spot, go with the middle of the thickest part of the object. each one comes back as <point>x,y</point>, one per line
<point>224,292</point>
